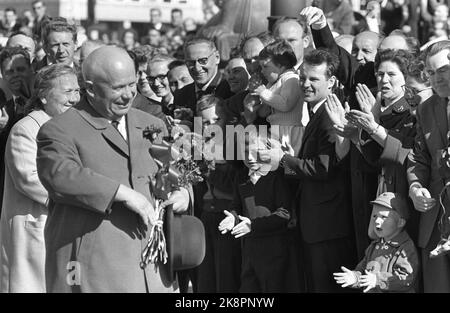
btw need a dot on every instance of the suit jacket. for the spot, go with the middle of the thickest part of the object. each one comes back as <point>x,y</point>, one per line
<point>324,210</point>
<point>364,176</point>
<point>82,159</point>
<point>423,166</point>
<point>186,97</point>
<point>22,258</point>
<point>148,105</point>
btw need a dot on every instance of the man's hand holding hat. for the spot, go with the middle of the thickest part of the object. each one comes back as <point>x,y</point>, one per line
<point>179,199</point>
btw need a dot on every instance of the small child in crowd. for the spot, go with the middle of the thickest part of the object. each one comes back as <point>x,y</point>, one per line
<point>391,262</point>
<point>261,219</point>
<point>282,93</point>
<point>221,268</point>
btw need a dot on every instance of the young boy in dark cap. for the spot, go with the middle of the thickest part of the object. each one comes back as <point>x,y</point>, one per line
<point>391,262</point>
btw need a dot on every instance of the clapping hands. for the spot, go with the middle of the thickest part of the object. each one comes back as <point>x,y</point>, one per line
<point>337,114</point>
<point>369,280</point>
<point>363,119</point>
<point>348,278</point>
<point>345,278</point>
<point>241,229</point>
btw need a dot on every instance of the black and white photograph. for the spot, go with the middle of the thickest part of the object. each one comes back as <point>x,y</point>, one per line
<point>230,153</point>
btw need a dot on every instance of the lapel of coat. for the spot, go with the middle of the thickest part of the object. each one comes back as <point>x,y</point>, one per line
<point>312,125</point>
<point>440,116</point>
<point>111,135</point>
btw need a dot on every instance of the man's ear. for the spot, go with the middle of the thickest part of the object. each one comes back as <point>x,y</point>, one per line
<point>217,56</point>
<point>331,82</point>
<point>306,41</point>
<point>401,222</point>
<point>89,87</point>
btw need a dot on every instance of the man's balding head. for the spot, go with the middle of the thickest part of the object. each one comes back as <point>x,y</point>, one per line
<point>23,41</point>
<point>365,46</point>
<point>105,60</point>
<point>110,80</point>
<point>394,42</point>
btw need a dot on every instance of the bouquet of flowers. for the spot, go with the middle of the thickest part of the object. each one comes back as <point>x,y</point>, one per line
<point>181,163</point>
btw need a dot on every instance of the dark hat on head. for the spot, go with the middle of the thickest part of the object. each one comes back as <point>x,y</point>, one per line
<point>185,238</point>
<point>393,201</point>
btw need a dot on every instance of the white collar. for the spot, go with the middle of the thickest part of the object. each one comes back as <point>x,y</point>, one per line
<point>317,106</point>
<point>207,84</point>
<point>122,127</point>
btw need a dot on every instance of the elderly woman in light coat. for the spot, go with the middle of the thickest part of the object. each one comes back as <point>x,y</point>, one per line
<point>22,247</point>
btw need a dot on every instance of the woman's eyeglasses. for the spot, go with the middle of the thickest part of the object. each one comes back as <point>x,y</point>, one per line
<point>201,61</point>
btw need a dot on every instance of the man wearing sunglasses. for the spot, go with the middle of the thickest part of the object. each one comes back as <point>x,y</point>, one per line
<point>202,60</point>
<point>426,179</point>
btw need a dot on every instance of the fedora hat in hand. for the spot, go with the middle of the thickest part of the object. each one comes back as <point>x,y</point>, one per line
<point>185,238</point>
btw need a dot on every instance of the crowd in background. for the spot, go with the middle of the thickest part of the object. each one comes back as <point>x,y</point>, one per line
<point>350,190</point>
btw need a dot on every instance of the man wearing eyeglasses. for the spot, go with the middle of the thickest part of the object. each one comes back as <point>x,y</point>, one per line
<point>202,60</point>
<point>426,178</point>
<point>157,70</point>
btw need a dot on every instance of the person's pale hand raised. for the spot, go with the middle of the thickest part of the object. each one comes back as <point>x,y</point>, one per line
<point>243,228</point>
<point>335,110</point>
<point>179,199</point>
<point>363,119</point>
<point>227,223</point>
<point>422,200</point>
<point>315,17</point>
<point>345,278</point>
<point>3,118</point>
<point>369,280</point>
<point>365,98</point>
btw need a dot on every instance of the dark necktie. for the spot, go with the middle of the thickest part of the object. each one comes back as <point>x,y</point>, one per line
<point>115,124</point>
<point>311,113</point>
<point>20,107</point>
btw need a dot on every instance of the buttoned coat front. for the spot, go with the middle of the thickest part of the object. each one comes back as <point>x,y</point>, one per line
<point>93,243</point>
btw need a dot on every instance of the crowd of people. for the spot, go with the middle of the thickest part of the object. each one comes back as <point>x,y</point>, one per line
<point>341,179</point>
